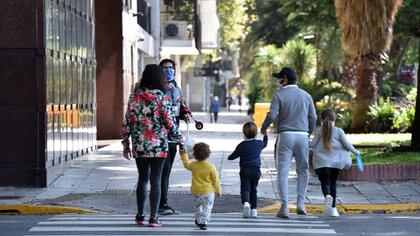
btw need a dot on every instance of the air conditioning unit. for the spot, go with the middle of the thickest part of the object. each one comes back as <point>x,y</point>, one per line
<point>177,30</point>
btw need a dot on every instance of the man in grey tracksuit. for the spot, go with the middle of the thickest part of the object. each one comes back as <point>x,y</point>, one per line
<point>293,111</point>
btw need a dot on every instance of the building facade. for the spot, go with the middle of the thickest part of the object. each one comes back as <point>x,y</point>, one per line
<point>67,68</point>
<point>47,70</point>
<point>127,38</point>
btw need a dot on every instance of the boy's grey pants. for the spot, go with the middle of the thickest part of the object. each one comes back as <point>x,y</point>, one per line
<point>289,145</point>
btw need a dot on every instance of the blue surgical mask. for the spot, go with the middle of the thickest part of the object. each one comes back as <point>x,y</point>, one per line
<point>169,73</point>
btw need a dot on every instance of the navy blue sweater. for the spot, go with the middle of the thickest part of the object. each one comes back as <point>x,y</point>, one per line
<point>249,152</point>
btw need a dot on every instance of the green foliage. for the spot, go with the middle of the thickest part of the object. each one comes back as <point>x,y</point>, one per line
<point>381,115</point>
<point>408,18</point>
<point>386,116</point>
<point>404,118</point>
<point>253,91</point>
<point>301,57</point>
<point>412,55</point>
<point>404,115</point>
<point>236,18</point>
<point>384,156</point>
<point>268,60</point>
<point>271,26</point>
<point>344,120</point>
<point>307,13</point>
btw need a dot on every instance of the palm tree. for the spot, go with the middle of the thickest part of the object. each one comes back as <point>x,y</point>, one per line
<point>366,34</point>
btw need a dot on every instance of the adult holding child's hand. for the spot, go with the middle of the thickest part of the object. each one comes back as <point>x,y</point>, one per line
<point>149,121</point>
<point>293,111</point>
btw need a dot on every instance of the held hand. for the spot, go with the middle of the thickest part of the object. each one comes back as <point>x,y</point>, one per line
<point>127,153</point>
<point>218,195</point>
<point>182,150</point>
<point>264,132</point>
<point>187,118</point>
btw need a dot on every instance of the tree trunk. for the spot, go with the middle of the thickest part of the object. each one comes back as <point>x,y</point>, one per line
<point>400,57</point>
<point>366,92</point>
<point>415,138</point>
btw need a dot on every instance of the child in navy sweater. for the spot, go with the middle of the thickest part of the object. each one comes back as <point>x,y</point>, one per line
<point>249,152</point>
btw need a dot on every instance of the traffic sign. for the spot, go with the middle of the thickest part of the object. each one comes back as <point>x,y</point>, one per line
<point>201,71</point>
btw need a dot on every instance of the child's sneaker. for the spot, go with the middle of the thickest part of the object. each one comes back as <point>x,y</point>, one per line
<point>140,220</point>
<point>154,222</point>
<point>328,205</point>
<point>246,210</point>
<point>254,213</point>
<point>203,226</point>
<point>334,212</point>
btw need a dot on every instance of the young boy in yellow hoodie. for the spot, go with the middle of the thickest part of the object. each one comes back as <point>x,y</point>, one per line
<point>205,182</point>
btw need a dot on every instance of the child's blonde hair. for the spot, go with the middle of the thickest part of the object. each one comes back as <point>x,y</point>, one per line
<point>250,129</point>
<point>328,118</point>
<point>201,151</point>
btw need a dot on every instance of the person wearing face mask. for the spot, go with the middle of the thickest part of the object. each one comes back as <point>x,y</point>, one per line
<point>174,94</point>
<point>294,112</point>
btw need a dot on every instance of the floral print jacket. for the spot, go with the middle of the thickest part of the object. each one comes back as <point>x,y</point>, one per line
<point>149,120</point>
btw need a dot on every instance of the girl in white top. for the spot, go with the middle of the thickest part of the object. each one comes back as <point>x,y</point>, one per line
<point>331,153</point>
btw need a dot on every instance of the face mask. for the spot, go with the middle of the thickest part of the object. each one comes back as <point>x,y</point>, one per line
<point>282,82</point>
<point>169,73</point>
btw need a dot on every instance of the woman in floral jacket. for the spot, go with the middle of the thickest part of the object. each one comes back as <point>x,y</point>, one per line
<point>148,121</point>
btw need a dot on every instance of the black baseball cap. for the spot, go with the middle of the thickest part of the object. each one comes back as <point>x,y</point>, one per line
<point>287,72</point>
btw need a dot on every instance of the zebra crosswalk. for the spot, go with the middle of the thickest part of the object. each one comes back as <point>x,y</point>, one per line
<point>221,224</point>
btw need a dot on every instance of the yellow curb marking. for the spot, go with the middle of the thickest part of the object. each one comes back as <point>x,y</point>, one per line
<point>350,208</point>
<point>27,209</point>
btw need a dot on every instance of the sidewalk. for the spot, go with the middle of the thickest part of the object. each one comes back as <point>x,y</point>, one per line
<point>104,181</point>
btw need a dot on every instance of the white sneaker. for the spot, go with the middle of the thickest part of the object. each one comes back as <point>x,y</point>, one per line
<point>328,205</point>
<point>334,212</point>
<point>246,210</point>
<point>254,213</point>
<point>283,212</point>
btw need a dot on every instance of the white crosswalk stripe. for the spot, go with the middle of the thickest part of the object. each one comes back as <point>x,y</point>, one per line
<point>221,224</point>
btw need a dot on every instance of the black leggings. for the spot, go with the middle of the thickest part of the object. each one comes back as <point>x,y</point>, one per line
<point>328,177</point>
<point>167,167</point>
<point>149,168</point>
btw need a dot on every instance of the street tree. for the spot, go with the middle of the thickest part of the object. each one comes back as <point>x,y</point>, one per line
<point>366,34</point>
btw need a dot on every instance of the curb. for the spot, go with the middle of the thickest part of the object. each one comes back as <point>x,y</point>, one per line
<point>27,209</point>
<point>410,208</point>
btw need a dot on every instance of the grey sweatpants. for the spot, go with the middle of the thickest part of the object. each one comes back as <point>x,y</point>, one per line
<point>289,145</point>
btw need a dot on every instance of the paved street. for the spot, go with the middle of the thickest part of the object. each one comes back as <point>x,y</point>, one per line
<point>222,224</point>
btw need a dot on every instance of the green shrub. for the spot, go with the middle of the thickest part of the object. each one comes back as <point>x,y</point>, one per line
<point>404,118</point>
<point>381,116</point>
<point>344,120</point>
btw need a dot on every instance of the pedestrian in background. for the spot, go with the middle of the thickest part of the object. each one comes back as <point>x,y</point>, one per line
<point>294,112</point>
<point>249,152</point>
<point>174,93</point>
<point>148,121</point>
<point>331,153</point>
<point>214,109</point>
<point>205,182</point>
<point>228,102</point>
